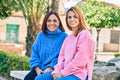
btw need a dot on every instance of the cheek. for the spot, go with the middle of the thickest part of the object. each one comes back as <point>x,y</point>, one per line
<point>68,21</point>
<point>77,21</point>
<point>58,24</point>
<point>47,24</point>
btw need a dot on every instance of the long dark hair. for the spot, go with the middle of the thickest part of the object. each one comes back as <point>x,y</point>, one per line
<point>46,18</point>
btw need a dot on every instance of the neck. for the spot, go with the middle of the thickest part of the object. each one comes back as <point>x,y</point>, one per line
<point>74,29</point>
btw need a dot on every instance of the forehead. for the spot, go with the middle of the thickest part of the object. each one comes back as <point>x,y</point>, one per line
<point>52,16</point>
<point>72,13</point>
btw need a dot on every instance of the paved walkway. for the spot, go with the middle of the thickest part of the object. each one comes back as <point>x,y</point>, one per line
<point>2,78</point>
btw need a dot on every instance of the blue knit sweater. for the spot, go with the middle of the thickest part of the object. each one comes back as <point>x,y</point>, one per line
<point>45,49</point>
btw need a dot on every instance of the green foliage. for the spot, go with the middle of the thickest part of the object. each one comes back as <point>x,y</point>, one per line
<point>117,54</point>
<point>32,9</point>
<point>10,62</point>
<point>99,15</point>
<point>6,8</point>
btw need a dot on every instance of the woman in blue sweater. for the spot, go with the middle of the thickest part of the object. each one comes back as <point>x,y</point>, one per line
<point>45,49</point>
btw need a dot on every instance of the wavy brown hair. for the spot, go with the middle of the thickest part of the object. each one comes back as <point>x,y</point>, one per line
<point>82,23</point>
<point>44,27</point>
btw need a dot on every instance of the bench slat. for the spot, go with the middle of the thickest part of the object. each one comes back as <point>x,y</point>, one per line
<point>19,74</point>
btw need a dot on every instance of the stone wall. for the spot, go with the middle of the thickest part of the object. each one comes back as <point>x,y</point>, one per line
<point>107,70</point>
<point>13,48</point>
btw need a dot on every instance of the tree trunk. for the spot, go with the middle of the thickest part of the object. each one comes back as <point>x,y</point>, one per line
<point>29,39</point>
<point>98,31</point>
<point>53,5</point>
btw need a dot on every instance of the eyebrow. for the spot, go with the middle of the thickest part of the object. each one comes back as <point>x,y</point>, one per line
<point>72,16</point>
<point>54,20</point>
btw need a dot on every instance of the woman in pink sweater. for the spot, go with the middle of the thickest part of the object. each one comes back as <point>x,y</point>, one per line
<point>76,58</point>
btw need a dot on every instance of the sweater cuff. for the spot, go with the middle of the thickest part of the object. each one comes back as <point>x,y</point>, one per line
<point>64,73</point>
<point>55,71</point>
<point>50,67</point>
<point>34,66</point>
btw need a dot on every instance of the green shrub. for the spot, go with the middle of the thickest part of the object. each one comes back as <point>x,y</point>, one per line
<point>10,62</point>
<point>117,54</point>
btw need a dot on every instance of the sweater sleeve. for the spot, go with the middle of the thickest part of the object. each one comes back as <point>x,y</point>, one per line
<point>34,60</point>
<point>53,62</point>
<point>59,66</point>
<point>82,55</point>
<point>55,59</point>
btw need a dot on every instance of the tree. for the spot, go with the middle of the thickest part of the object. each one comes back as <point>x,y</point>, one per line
<point>53,5</point>
<point>32,11</point>
<point>6,8</point>
<point>99,15</point>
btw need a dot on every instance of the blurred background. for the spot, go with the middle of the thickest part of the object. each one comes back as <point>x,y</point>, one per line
<point>20,21</point>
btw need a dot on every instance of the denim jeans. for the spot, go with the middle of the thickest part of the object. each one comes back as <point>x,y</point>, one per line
<point>70,77</point>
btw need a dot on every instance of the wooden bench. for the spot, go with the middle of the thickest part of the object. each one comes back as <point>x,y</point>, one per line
<point>18,74</point>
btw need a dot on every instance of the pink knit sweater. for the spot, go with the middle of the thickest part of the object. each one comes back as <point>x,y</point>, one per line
<point>77,56</point>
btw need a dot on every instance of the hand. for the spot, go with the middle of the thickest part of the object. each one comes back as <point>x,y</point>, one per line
<point>38,71</point>
<point>57,75</point>
<point>48,70</point>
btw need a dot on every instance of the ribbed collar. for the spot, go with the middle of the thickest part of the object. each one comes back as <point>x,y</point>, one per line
<point>54,33</point>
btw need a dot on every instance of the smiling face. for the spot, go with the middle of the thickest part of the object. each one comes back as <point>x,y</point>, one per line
<point>52,22</point>
<point>72,20</point>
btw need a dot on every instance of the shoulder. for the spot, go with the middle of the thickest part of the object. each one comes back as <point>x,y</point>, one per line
<point>84,33</point>
<point>40,34</point>
<point>64,34</point>
<point>68,36</point>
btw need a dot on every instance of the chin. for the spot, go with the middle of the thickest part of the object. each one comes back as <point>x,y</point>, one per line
<point>51,30</point>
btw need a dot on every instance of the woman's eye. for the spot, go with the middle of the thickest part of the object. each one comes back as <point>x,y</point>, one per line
<point>75,16</point>
<point>54,20</point>
<point>69,17</point>
<point>49,20</point>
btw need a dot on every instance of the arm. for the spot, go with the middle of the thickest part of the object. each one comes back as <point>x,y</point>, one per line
<point>55,59</point>
<point>52,64</point>
<point>82,55</point>
<point>60,64</point>
<point>34,60</point>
